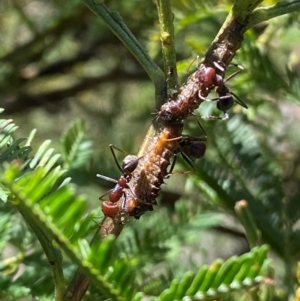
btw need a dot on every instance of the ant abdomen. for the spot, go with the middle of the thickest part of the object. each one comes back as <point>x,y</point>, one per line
<point>110,209</point>
<point>194,149</point>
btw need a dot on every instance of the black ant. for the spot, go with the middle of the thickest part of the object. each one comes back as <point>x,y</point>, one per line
<point>191,148</point>
<point>226,98</point>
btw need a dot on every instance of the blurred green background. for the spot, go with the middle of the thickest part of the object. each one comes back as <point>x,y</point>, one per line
<point>59,64</point>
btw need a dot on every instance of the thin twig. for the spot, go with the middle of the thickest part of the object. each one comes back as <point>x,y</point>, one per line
<point>166,18</point>
<point>53,254</point>
<point>265,13</point>
<point>80,282</point>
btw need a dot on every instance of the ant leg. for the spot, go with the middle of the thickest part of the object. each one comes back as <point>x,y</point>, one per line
<point>218,66</point>
<point>112,147</point>
<point>200,126</point>
<point>226,116</point>
<point>103,195</point>
<point>239,101</point>
<point>196,58</point>
<point>185,136</point>
<point>210,117</point>
<point>202,97</point>
<point>172,166</point>
<point>241,68</point>
<point>188,161</point>
<point>123,202</point>
<point>174,139</point>
<point>193,138</point>
<point>107,179</point>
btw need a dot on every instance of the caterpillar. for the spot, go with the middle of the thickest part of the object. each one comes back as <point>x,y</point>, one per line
<point>146,174</point>
<point>150,173</point>
<point>189,96</point>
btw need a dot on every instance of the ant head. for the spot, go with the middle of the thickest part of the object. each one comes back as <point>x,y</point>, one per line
<point>129,164</point>
<point>193,149</point>
<point>165,114</point>
<point>122,182</point>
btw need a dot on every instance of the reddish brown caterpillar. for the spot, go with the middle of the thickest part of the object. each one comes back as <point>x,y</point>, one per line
<point>151,172</point>
<point>189,96</point>
<point>149,175</point>
<point>146,178</point>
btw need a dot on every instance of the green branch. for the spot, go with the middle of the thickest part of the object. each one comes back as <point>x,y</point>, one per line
<point>265,13</point>
<point>115,23</point>
<point>53,255</point>
<point>242,8</point>
<point>166,18</point>
<point>231,33</point>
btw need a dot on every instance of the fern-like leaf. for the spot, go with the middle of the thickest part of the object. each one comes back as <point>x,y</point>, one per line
<point>77,149</point>
<point>59,214</point>
<point>220,279</point>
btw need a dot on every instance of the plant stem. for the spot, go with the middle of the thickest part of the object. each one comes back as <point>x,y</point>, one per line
<point>166,18</point>
<point>80,281</point>
<point>243,8</point>
<point>53,255</point>
<point>230,36</point>
<point>115,23</point>
<point>265,13</point>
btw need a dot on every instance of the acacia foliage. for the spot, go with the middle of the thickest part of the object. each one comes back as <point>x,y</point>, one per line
<point>253,156</point>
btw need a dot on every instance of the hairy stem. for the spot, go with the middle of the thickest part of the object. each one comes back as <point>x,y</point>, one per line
<point>166,18</point>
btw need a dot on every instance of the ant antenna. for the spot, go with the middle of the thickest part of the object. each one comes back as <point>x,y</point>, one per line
<point>129,164</point>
